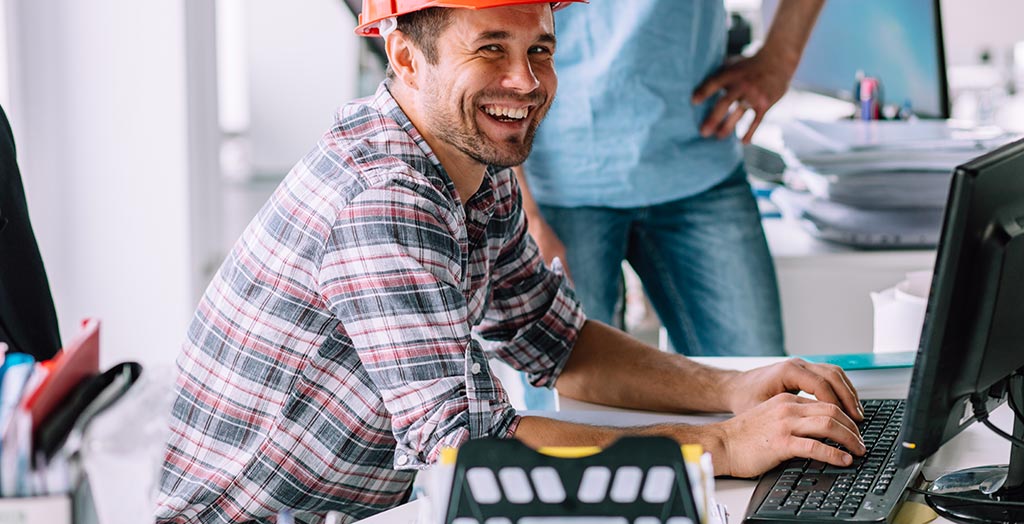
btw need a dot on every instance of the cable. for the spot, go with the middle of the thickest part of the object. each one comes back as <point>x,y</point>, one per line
<point>952,496</point>
<point>981,413</point>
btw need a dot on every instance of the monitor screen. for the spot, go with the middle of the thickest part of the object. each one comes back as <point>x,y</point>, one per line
<point>898,42</point>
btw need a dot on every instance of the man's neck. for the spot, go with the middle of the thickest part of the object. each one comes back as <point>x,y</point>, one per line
<point>466,173</point>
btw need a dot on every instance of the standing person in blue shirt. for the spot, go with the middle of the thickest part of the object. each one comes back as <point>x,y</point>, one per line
<point>638,160</point>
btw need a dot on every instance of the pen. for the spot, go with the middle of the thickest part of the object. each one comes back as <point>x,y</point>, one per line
<point>868,90</point>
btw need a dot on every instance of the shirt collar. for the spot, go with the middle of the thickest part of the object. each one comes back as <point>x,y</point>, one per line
<point>384,102</point>
<point>483,200</point>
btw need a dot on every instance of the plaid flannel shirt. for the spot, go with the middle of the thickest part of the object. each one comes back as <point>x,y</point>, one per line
<point>344,341</point>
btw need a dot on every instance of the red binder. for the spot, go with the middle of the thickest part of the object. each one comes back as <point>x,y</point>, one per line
<point>79,360</point>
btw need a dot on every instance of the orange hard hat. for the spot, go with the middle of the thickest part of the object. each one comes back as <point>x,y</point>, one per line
<point>374,11</point>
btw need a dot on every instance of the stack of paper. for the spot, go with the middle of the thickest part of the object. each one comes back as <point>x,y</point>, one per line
<point>878,183</point>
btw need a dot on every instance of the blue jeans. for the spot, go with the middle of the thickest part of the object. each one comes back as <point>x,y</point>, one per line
<point>704,263</point>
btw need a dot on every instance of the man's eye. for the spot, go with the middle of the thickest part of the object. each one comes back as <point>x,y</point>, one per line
<point>493,48</point>
<point>540,50</point>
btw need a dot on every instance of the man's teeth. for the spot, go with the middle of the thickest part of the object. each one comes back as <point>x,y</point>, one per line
<point>507,112</point>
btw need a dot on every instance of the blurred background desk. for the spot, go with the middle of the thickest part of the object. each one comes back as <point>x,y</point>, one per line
<point>825,288</point>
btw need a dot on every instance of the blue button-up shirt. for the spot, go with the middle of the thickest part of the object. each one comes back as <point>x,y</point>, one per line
<point>622,131</point>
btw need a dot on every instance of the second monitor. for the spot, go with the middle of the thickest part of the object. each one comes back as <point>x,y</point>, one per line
<point>897,41</point>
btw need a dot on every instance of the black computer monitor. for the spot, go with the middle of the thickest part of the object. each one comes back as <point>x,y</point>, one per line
<point>972,345</point>
<point>897,41</point>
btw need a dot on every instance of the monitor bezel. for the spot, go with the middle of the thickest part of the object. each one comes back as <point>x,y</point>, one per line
<point>924,431</point>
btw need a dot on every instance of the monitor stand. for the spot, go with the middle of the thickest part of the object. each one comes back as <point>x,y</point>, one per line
<point>989,486</point>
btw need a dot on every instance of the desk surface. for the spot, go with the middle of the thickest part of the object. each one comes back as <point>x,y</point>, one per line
<point>974,447</point>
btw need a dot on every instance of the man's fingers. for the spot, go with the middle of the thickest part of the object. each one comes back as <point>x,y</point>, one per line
<point>841,386</point>
<point>850,397</point>
<point>800,378</point>
<point>710,86</point>
<point>718,113</point>
<point>827,421</point>
<point>817,450</point>
<point>759,115</point>
<point>825,383</point>
<point>729,125</point>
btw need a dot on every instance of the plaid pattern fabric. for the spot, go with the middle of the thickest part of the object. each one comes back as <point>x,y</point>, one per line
<point>344,342</point>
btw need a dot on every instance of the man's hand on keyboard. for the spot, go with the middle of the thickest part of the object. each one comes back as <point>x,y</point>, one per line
<point>826,382</point>
<point>783,427</point>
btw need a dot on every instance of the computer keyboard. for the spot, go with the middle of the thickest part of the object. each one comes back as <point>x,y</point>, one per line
<point>869,490</point>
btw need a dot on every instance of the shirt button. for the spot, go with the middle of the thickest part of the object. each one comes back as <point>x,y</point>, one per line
<point>475,368</point>
<point>402,460</point>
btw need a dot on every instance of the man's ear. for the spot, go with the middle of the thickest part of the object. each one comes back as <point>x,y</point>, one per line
<point>403,58</point>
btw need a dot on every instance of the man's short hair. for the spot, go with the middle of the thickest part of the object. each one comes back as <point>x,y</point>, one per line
<point>423,28</point>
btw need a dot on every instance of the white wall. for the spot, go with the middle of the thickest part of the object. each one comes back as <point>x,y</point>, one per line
<point>974,25</point>
<point>100,112</point>
<point>285,69</point>
<point>302,61</point>
<point>115,110</point>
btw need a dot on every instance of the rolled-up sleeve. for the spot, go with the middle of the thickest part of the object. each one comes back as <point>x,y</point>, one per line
<point>393,274</point>
<point>534,317</point>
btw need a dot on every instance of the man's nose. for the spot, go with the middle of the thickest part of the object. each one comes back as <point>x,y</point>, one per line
<point>520,76</point>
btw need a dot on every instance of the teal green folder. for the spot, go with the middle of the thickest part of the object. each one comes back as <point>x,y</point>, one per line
<point>855,361</point>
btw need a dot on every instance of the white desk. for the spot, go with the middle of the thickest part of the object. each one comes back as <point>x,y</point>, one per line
<point>974,447</point>
<point>825,288</point>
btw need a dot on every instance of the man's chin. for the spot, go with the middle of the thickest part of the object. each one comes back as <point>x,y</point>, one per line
<point>507,158</point>
<point>501,154</point>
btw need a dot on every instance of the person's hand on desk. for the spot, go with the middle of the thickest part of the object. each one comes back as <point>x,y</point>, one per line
<point>781,428</point>
<point>826,382</point>
<point>773,424</point>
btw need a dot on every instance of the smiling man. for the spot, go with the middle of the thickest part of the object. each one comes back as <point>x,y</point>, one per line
<point>344,342</point>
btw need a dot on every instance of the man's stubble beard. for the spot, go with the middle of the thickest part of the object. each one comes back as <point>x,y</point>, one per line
<point>465,135</point>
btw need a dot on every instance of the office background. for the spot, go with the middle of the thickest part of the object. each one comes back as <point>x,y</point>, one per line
<point>150,132</point>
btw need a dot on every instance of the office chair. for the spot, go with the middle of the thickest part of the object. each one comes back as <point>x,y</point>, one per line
<point>28,320</point>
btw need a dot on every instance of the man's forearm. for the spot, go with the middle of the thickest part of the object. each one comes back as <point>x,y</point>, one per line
<point>539,432</point>
<point>612,368</point>
<point>791,28</point>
